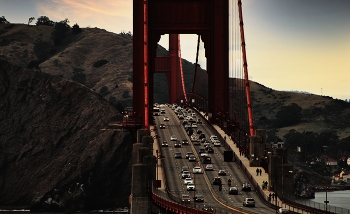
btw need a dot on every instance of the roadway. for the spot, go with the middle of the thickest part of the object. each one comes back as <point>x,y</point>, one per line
<point>219,200</point>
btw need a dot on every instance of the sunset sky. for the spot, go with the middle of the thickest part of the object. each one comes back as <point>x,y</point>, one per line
<point>299,45</point>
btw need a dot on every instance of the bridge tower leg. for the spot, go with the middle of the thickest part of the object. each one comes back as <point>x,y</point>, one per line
<point>210,19</point>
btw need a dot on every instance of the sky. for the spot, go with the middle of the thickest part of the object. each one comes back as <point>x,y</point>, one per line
<point>292,45</point>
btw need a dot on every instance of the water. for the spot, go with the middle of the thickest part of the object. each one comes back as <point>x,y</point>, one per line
<point>339,199</point>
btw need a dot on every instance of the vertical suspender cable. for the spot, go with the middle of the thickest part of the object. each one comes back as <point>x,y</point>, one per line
<point>196,65</point>
<point>145,64</point>
<point>181,72</point>
<point>245,67</point>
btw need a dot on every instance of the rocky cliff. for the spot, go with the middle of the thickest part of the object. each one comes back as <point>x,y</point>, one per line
<point>55,152</point>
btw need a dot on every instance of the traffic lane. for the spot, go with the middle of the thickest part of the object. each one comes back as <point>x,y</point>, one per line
<point>174,171</point>
<point>237,176</point>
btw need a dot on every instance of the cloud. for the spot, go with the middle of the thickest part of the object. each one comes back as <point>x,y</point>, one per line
<point>112,15</point>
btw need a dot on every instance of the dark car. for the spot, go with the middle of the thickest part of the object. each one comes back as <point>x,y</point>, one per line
<point>165,144</point>
<point>246,187</point>
<point>184,142</point>
<point>217,181</point>
<point>188,154</point>
<point>233,191</point>
<point>206,160</point>
<point>192,158</point>
<point>208,208</point>
<point>177,144</point>
<point>199,198</point>
<point>210,150</point>
<point>162,126</point>
<point>200,151</point>
<point>178,155</point>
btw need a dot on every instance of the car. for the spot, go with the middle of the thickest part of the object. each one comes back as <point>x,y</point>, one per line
<point>249,202</point>
<point>185,174</point>
<point>177,144</point>
<point>162,126</point>
<point>206,160</point>
<point>217,181</point>
<point>199,198</point>
<point>206,144</point>
<point>209,167</point>
<point>213,138</point>
<point>282,210</point>
<point>188,126</point>
<point>166,118</point>
<point>184,142</point>
<point>188,180</point>
<point>185,198</point>
<point>184,168</point>
<point>210,150</point>
<point>156,114</point>
<point>178,155</point>
<point>199,131</point>
<point>200,151</point>
<point>192,158</point>
<point>199,121</point>
<point>197,170</point>
<point>188,154</point>
<point>173,138</point>
<point>217,143</point>
<point>202,136</point>
<point>206,147</point>
<point>208,208</point>
<point>194,138</point>
<point>246,187</point>
<point>165,144</point>
<point>190,186</point>
<point>194,125</point>
<point>204,154</point>
<point>221,172</point>
<point>233,191</point>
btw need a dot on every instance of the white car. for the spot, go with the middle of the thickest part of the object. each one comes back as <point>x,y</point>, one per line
<point>190,186</point>
<point>204,154</point>
<point>209,167</point>
<point>217,143</point>
<point>185,174</point>
<point>173,138</point>
<point>166,118</point>
<point>197,170</point>
<point>188,180</point>
<point>283,210</point>
<point>194,125</point>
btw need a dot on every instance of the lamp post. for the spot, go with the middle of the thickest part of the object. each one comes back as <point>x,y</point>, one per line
<point>157,168</point>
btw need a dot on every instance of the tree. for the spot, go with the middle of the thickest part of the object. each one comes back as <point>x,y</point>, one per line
<point>31,19</point>
<point>3,20</point>
<point>60,31</point>
<point>288,115</point>
<point>44,20</point>
<point>76,29</point>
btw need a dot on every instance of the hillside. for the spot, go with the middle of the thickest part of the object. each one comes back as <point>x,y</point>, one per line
<point>55,101</point>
